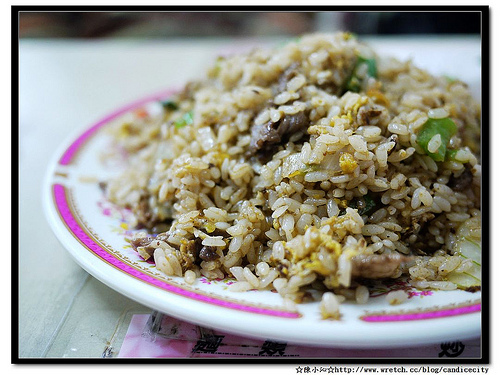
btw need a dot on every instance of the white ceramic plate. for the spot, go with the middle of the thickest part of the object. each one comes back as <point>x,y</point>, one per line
<point>93,231</point>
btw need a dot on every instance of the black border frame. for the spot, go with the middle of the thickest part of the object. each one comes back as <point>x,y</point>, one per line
<point>485,157</point>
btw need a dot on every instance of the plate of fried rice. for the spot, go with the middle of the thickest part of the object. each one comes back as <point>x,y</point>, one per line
<point>319,193</point>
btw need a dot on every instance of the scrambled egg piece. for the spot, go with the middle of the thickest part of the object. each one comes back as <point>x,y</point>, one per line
<point>347,162</point>
<point>320,251</point>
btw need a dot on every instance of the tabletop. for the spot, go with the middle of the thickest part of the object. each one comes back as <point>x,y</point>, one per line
<point>67,85</point>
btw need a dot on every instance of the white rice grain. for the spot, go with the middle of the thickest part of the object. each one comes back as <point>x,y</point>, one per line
<point>437,113</point>
<point>329,306</point>
<point>396,297</point>
<point>216,241</point>
<point>190,277</point>
<point>434,143</point>
<point>362,294</point>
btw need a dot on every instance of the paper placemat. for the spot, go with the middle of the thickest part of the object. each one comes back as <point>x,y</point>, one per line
<point>161,336</point>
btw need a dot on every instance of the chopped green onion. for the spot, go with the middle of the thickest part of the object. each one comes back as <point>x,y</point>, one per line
<point>451,79</point>
<point>445,127</point>
<point>367,204</point>
<point>371,64</point>
<point>353,84</point>
<point>370,205</point>
<point>187,119</point>
<point>170,105</point>
<point>354,81</point>
<point>451,155</point>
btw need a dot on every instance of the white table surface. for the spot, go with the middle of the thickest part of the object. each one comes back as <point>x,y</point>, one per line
<point>69,85</point>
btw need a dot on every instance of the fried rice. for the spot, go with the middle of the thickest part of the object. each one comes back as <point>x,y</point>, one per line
<point>315,169</point>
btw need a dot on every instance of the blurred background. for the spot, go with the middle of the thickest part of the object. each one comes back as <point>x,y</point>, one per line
<point>172,24</point>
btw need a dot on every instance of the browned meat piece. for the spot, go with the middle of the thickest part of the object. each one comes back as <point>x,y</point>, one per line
<point>189,253</point>
<point>287,75</point>
<point>262,134</point>
<point>293,123</point>
<point>141,242</point>
<point>208,253</point>
<point>143,246</point>
<point>377,266</point>
<point>143,213</point>
<point>271,133</point>
<point>146,241</point>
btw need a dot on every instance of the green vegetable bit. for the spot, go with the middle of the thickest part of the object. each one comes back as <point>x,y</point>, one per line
<point>450,79</point>
<point>371,64</point>
<point>354,82</point>
<point>442,126</point>
<point>451,155</point>
<point>187,119</point>
<point>364,205</point>
<point>170,105</point>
